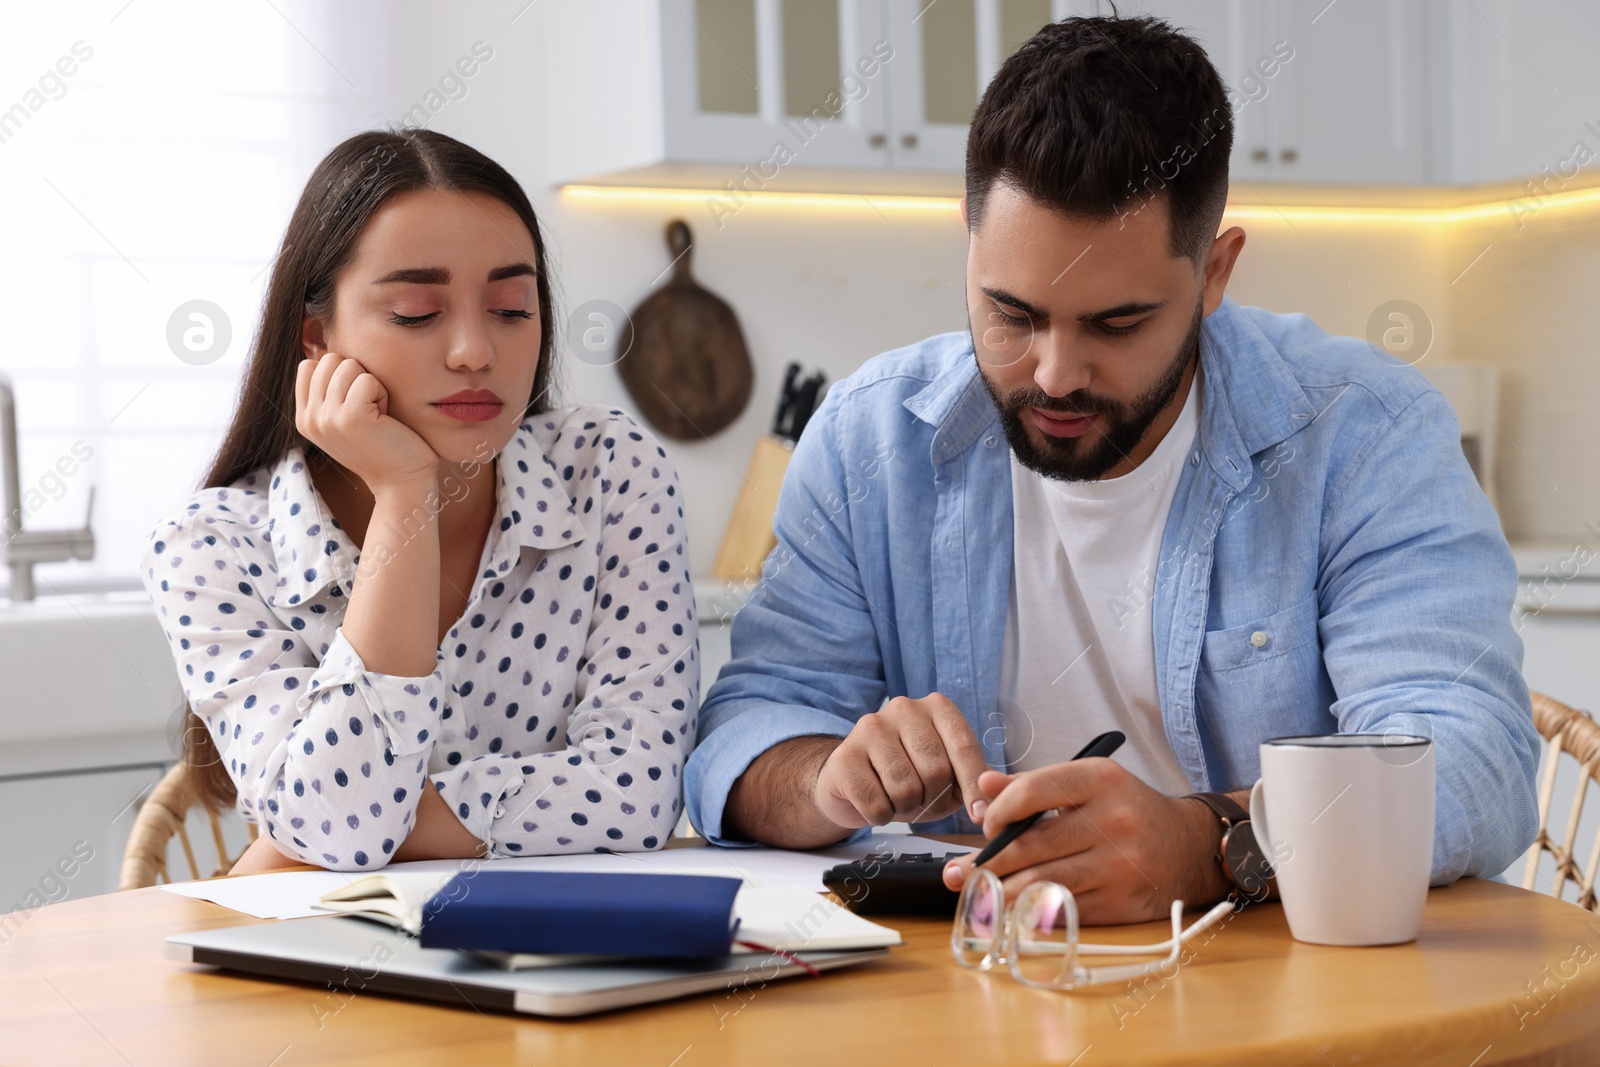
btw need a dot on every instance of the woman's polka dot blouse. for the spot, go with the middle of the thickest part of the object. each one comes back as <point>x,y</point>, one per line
<point>563,706</point>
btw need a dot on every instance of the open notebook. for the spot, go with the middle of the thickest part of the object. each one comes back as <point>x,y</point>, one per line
<point>786,919</point>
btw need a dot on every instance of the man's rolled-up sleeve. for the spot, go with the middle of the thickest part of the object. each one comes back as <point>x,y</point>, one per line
<point>1416,593</point>
<point>805,653</point>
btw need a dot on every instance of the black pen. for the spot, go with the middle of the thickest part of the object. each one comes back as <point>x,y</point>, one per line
<point>1103,745</point>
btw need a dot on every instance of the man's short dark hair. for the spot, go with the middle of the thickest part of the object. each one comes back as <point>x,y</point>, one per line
<point>1097,117</point>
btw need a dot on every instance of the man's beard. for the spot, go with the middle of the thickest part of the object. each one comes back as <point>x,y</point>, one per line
<point>1078,459</point>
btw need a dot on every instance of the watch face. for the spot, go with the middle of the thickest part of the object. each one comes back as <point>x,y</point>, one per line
<point>1246,865</point>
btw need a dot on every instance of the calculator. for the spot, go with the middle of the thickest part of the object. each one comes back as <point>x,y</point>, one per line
<point>909,884</point>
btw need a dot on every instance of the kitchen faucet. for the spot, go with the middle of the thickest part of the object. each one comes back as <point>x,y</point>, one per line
<point>21,549</point>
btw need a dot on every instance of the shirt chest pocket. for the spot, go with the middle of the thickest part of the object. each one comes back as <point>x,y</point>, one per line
<point>1261,679</point>
<point>1263,641</point>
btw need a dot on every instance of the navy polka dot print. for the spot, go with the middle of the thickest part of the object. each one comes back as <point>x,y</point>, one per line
<point>562,707</point>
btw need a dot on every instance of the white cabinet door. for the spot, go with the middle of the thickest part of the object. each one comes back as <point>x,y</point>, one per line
<point>770,83</point>
<point>64,833</point>
<point>1351,104</point>
<point>934,82</point>
<point>945,55</point>
<point>1321,92</point>
<point>1520,90</point>
<point>1560,651</point>
<point>69,831</point>
<point>1233,34</point>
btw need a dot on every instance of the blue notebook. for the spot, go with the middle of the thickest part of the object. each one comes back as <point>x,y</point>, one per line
<point>648,915</point>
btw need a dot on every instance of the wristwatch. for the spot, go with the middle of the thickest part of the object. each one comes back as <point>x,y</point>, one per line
<point>1242,861</point>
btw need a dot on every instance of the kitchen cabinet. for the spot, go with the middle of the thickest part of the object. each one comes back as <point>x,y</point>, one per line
<point>1322,92</point>
<point>1559,622</point>
<point>876,95</point>
<point>1233,34</point>
<point>1431,92</point>
<point>740,77</point>
<point>945,55</point>
<point>67,832</point>
<point>1334,93</point>
<point>1351,106</point>
<point>754,87</point>
<point>77,823</point>
<point>1519,94</point>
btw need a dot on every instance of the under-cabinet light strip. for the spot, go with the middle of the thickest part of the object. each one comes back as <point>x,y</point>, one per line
<point>1515,209</point>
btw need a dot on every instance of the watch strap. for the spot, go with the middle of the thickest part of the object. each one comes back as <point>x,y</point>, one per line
<point>1250,880</point>
<point>1229,810</point>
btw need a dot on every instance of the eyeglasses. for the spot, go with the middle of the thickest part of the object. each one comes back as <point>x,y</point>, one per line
<point>1036,937</point>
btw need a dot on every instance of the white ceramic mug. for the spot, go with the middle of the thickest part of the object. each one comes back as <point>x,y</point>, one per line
<point>1348,821</point>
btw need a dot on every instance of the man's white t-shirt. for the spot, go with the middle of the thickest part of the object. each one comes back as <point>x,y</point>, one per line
<point>1079,652</point>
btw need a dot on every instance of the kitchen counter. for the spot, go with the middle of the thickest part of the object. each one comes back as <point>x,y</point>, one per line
<point>1561,560</point>
<point>717,601</point>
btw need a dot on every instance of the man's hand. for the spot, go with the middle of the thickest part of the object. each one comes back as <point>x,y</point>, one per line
<point>910,761</point>
<point>1125,850</point>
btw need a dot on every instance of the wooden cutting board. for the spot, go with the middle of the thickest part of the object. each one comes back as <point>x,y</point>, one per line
<point>684,358</point>
<point>749,538</point>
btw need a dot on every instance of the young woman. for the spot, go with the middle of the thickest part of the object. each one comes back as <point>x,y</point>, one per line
<point>417,613</point>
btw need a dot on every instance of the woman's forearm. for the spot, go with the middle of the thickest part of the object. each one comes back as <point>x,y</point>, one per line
<point>437,833</point>
<point>393,613</point>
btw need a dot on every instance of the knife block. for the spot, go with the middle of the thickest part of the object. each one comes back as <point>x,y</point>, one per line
<point>749,538</point>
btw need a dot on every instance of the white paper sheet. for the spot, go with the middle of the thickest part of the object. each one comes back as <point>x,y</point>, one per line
<point>797,921</point>
<point>289,894</point>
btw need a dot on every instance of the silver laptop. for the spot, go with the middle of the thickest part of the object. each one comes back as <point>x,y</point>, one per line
<point>350,956</point>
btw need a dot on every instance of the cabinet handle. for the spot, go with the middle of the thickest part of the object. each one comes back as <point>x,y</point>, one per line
<point>1289,155</point>
<point>1259,155</point>
<point>877,140</point>
<point>908,140</point>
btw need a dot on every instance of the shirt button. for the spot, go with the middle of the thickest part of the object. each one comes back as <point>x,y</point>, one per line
<point>989,442</point>
<point>1259,639</point>
<point>1194,459</point>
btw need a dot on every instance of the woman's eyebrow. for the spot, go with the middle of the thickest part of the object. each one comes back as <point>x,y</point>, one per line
<point>441,276</point>
<point>416,276</point>
<point>511,270</point>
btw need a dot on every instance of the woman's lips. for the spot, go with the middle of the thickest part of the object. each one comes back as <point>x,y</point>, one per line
<point>471,412</point>
<point>1062,426</point>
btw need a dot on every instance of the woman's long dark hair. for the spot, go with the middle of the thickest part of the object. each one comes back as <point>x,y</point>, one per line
<point>348,186</point>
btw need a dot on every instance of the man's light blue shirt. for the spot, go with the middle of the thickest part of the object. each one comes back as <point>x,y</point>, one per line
<point>1326,504</point>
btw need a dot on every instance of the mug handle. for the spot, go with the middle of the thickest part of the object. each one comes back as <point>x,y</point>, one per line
<point>1258,817</point>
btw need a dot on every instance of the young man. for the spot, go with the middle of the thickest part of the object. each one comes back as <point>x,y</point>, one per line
<point>1213,525</point>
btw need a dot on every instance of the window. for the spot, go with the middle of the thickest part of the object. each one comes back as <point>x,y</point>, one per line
<point>150,155</point>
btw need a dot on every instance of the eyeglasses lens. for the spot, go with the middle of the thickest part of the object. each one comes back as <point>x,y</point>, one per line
<point>1045,932</point>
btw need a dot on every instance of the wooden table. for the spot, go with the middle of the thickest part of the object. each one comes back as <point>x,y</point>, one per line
<point>85,981</point>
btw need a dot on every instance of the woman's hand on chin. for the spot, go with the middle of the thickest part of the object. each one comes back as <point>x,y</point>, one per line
<point>343,409</point>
